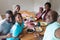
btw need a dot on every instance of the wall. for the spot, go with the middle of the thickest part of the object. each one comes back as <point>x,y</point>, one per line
<point>7,4</point>
<point>39,3</point>
<point>56,5</point>
<point>30,5</point>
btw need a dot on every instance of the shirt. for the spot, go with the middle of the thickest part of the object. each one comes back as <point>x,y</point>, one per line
<point>5,27</point>
<point>50,31</point>
<point>16,30</point>
<point>44,14</point>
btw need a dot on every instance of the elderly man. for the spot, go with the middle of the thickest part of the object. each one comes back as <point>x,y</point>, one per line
<point>52,30</point>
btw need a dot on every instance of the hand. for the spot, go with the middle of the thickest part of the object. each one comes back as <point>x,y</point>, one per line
<point>9,35</point>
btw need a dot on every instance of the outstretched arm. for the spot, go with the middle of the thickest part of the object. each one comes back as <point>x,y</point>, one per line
<point>5,36</point>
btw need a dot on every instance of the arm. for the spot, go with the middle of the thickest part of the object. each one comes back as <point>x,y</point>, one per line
<point>57,33</point>
<point>5,36</point>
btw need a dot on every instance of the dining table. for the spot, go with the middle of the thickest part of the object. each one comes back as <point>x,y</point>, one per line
<point>30,36</point>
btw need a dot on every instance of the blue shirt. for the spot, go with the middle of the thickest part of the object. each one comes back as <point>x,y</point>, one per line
<point>16,30</point>
<point>5,27</point>
<point>50,31</point>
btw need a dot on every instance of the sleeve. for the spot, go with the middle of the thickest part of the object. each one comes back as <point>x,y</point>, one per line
<point>17,30</point>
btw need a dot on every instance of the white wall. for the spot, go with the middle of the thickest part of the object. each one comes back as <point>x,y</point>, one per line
<point>31,5</point>
<point>39,3</point>
<point>56,5</point>
<point>25,5</point>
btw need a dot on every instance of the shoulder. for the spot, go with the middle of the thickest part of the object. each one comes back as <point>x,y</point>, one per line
<point>57,33</point>
<point>54,24</point>
<point>3,21</point>
<point>13,27</point>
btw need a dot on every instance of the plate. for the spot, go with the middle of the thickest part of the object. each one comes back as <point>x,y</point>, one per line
<point>43,23</point>
<point>38,29</point>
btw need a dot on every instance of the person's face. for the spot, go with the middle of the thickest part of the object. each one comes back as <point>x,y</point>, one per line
<point>9,17</point>
<point>40,10</point>
<point>49,18</point>
<point>18,19</point>
<point>46,7</point>
<point>17,8</point>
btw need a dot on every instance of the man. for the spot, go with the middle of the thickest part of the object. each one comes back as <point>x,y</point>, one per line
<point>6,24</point>
<point>51,19</point>
<point>47,9</point>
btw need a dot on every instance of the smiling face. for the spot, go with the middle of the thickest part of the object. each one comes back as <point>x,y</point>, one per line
<point>18,18</point>
<point>47,7</point>
<point>9,17</point>
<point>51,16</point>
<point>17,8</point>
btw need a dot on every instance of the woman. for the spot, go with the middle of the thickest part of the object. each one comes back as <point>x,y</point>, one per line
<point>38,15</point>
<point>47,9</point>
<point>17,27</point>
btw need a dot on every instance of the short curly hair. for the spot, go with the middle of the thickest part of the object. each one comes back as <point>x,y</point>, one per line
<point>48,3</point>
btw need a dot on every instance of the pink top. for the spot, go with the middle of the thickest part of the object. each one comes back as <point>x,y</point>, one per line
<point>38,15</point>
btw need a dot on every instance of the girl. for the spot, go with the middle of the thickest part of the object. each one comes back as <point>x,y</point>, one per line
<point>17,27</point>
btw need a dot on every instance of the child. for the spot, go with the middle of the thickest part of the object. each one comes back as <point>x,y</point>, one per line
<point>17,27</point>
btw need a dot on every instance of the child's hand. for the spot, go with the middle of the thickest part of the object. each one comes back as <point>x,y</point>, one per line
<point>9,35</point>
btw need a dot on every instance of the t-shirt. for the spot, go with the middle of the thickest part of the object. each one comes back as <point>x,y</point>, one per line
<point>5,27</point>
<point>16,30</point>
<point>50,31</point>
